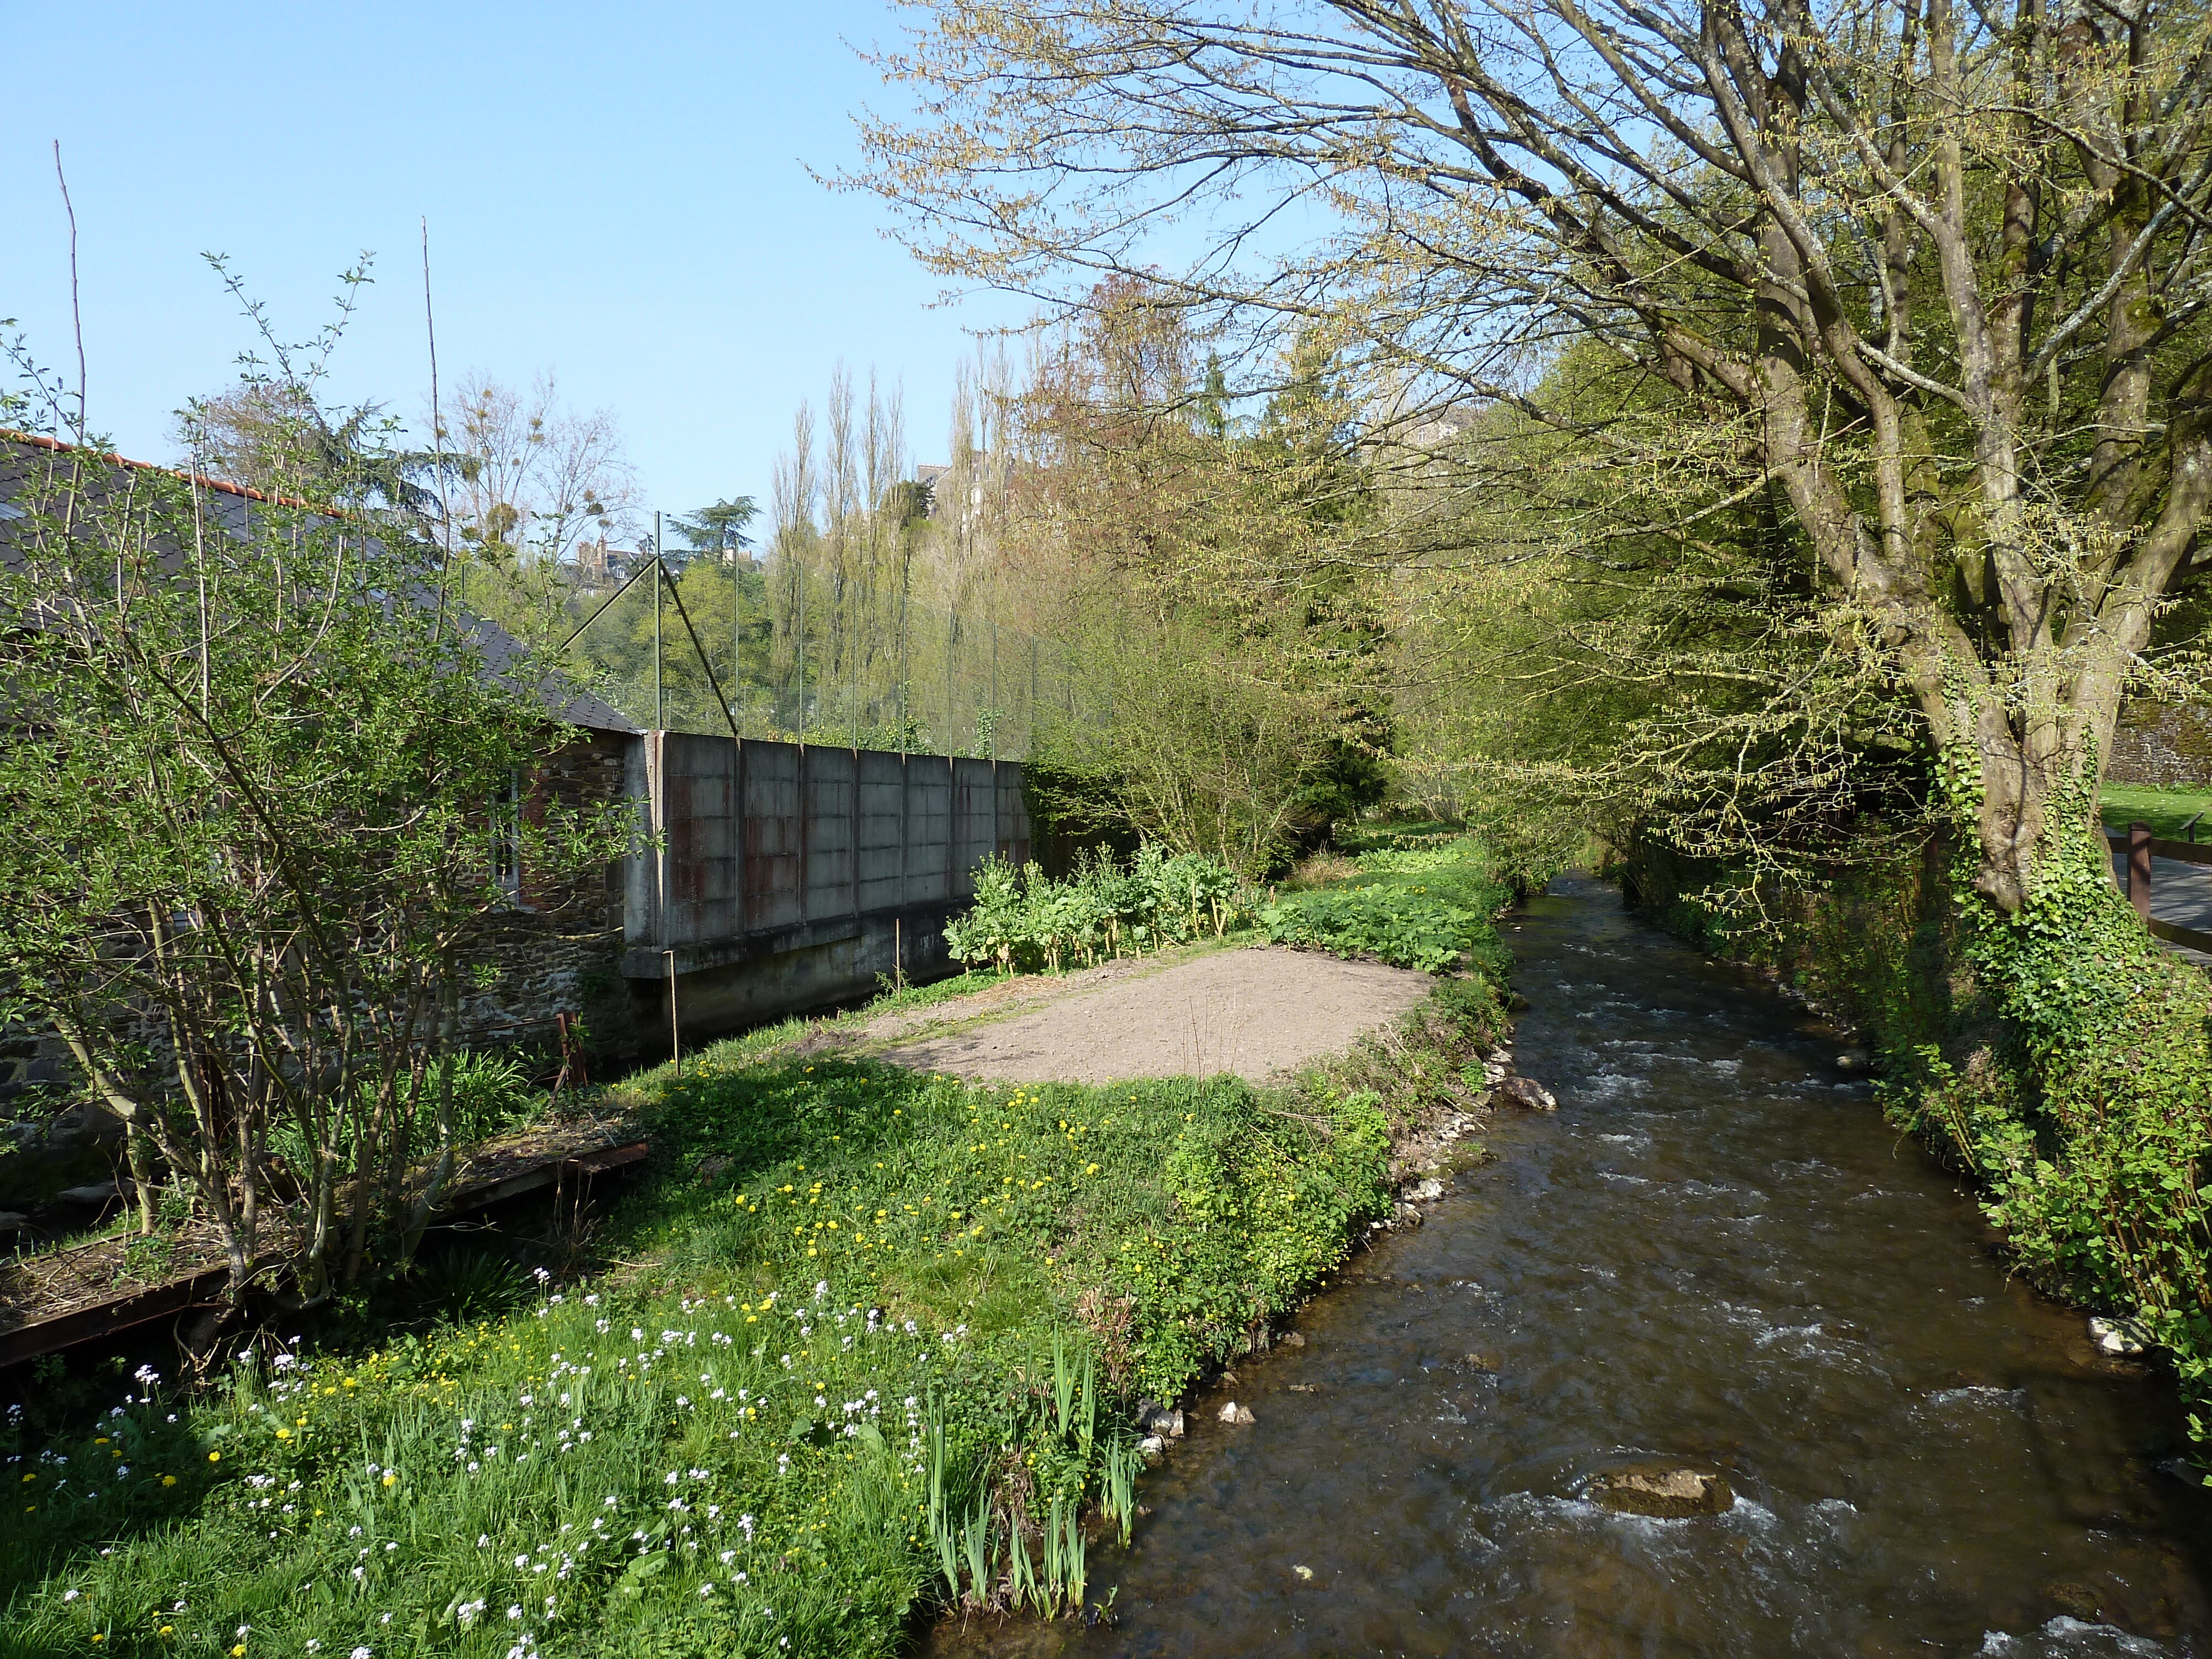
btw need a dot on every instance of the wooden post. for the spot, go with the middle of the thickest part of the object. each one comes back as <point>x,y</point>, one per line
<point>2139,868</point>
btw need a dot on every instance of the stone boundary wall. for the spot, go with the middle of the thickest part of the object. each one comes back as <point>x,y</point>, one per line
<point>2162,747</point>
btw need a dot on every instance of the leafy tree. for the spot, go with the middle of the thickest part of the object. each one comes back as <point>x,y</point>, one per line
<point>718,529</point>
<point>1927,274</point>
<point>268,788</point>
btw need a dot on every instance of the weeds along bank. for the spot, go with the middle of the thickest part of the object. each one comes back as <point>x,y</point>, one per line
<point>2060,1057</point>
<point>1413,901</point>
<point>870,1328</point>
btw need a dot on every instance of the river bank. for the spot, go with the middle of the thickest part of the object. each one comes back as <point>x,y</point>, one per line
<point>1715,1257</point>
<point>860,1319</point>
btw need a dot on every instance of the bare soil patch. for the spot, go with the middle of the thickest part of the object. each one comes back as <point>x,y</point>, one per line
<point>1259,1012</point>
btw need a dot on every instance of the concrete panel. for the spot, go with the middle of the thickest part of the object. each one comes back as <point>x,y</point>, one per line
<point>929,829</point>
<point>714,1001</point>
<point>700,897</point>
<point>641,870</point>
<point>830,776</point>
<point>1013,824</point>
<point>974,821</point>
<point>774,840</point>
<point>879,851</point>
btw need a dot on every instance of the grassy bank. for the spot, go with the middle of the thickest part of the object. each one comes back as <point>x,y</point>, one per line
<point>861,1329</point>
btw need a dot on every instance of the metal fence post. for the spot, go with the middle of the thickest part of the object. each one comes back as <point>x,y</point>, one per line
<point>659,715</point>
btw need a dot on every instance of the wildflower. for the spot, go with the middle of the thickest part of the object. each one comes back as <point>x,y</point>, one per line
<point>360,1653</point>
<point>515,1613</point>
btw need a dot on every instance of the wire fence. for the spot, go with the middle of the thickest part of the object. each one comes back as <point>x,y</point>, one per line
<point>729,646</point>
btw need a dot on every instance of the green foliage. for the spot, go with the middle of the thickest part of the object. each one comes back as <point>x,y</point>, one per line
<point>492,1095</point>
<point>1024,920</point>
<point>2095,1156</point>
<point>2059,1056</point>
<point>260,811</point>
<point>1429,908</point>
<point>875,1346</point>
<point>468,1284</point>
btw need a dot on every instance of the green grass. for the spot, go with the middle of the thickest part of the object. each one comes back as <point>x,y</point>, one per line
<point>868,1326</point>
<point>2164,810</point>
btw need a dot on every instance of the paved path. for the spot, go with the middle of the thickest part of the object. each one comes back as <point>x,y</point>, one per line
<point>2180,893</point>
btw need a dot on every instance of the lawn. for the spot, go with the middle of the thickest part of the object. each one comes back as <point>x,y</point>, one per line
<point>2164,810</point>
<point>859,1328</point>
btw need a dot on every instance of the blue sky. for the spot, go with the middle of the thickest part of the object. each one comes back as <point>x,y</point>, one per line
<point>618,194</point>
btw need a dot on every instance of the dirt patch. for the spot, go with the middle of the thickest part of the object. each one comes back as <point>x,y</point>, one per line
<point>1258,1012</point>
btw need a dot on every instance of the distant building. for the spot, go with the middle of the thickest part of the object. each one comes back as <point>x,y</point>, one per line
<point>599,565</point>
<point>929,476</point>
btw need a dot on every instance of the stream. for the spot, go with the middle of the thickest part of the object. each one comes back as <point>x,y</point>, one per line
<point>1714,1253</point>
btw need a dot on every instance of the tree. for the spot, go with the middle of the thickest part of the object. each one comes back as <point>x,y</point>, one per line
<point>718,529</point>
<point>264,784</point>
<point>1931,276</point>
<point>530,478</point>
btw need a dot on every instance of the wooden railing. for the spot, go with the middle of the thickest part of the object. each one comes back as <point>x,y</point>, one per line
<point>2142,846</point>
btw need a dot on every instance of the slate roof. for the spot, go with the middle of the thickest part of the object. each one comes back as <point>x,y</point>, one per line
<point>228,510</point>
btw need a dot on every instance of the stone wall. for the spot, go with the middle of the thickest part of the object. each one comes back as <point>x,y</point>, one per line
<point>557,949</point>
<point>2162,747</point>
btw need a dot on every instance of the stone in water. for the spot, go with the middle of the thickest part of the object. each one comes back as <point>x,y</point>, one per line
<point>1527,1094</point>
<point>1667,1492</point>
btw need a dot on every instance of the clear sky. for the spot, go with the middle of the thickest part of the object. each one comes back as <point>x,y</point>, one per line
<point>618,194</point>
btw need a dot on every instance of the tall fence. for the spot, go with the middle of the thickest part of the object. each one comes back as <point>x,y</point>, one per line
<point>727,646</point>
<point>762,848</point>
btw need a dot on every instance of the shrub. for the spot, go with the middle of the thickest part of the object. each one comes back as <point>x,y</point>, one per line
<point>1024,920</point>
<point>1428,909</point>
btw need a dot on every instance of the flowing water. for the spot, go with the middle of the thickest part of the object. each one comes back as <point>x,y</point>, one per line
<point>1716,1253</point>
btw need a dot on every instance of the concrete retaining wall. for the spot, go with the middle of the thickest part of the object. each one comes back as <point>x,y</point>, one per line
<point>785,878</point>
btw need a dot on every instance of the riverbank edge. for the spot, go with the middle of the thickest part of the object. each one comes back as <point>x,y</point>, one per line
<point>1879,955</point>
<point>1418,1077</point>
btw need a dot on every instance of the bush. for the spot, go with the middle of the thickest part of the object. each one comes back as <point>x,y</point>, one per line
<point>1428,909</point>
<point>1023,921</point>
